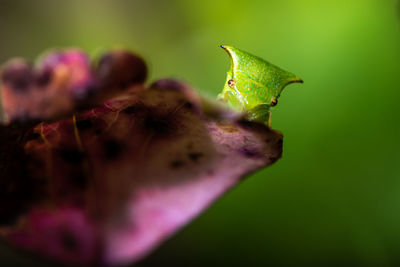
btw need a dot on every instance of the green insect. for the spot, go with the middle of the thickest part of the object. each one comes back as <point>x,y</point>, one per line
<point>254,85</point>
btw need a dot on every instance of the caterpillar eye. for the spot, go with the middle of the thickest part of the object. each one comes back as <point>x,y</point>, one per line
<point>274,102</point>
<point>231,83</point>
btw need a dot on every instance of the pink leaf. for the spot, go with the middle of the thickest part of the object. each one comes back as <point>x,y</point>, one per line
<point>107,186</point>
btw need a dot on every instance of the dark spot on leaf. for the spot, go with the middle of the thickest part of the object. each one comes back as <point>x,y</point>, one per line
<point>274,158</point>
<point>79,179</point>
<point>112,148</point>
<point>69,241</point>
<point>190,146</point>
<point>195,156</point>
<point>18,76</point>
<point>44,77</point>
<point>253,125</point>
<point>73,156</point>
<point>84,124</point>
<point>250,153</point>
<point>176,164</point>
<point>159,125</point>
<point>133,109</point>
<point>33,136</point>
<point>86,90</point>
<point>188,105</point>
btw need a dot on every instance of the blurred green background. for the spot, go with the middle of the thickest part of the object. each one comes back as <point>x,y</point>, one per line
<point>334,197</point>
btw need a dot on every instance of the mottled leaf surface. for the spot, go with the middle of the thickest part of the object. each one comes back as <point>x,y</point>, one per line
<point>109,184</point>
<point>63,81</point>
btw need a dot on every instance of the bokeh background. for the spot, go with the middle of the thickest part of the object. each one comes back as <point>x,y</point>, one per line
<point>334,197</point>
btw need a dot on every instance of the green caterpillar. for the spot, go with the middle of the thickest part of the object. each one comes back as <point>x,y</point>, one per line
<point>254,85</point>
